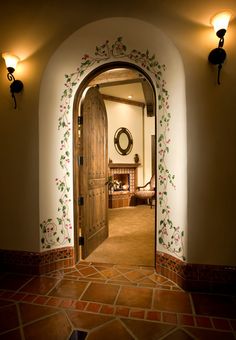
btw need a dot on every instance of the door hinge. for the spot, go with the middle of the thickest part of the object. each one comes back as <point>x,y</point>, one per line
<point>81,200</point>
<point>81,241</point>
<point>80,160</point>
<point>80,120</point>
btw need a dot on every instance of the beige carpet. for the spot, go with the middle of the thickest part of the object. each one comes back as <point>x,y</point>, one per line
<point>131,238</point>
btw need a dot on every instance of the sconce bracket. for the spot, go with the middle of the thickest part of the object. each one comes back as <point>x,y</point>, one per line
<point>16,86</point>
<point>217,56</point>
<point>221,33</point>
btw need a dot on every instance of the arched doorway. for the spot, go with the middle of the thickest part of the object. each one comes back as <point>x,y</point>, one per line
<point>142,232</point>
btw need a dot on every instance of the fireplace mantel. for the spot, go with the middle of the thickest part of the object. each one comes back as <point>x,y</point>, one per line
<point>123,165</point>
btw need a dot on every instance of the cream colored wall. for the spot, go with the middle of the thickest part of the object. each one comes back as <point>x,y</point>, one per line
<point>211,119</point>
<point>130,117</point>
<point>19,160</point>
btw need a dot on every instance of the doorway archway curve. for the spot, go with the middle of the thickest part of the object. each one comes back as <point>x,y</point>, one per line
<point>98,43</point>
<point>78,99</point>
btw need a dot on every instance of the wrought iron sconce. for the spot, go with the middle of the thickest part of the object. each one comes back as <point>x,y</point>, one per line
<point>16,85</point>
<point>217,56</point>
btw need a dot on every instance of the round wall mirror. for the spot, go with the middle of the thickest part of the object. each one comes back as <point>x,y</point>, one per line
<point>123,141</point>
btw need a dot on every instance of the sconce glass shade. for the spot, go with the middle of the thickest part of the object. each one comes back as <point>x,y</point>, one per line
<point>11,61</point>
<point>220,21</point>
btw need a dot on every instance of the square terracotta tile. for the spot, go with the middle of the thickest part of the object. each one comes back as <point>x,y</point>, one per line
<point>135,275</point>
<point>214,305</point>
<point>84,320</point>
<point>100,292</point>
<point>135,297</point>
<point>30,312</point>
<point>199,333</point>
<point>48,328</point>
<point>113,329</point>
<point>87,271</point>
<point>8,318</point>
<point>172,301</point>
<point>179,334</point>
<point>14,281</point>
<point>39,285</point>
<point>147,330</point>
<point>69,288</point>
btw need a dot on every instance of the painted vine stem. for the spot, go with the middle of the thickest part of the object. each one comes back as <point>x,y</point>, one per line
<point>170,236</point>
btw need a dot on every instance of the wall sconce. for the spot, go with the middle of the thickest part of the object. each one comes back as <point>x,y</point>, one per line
<point>217,56</point>
<point>16,85</point>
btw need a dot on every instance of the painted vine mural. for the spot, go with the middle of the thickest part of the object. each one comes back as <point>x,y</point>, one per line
<point>56,233</point>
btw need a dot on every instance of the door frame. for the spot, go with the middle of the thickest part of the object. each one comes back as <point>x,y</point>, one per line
<point>76,110</point>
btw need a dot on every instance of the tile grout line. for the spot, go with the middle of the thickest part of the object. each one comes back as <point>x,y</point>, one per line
<point>20,321</point>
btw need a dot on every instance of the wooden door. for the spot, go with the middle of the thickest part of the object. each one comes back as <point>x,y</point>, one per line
<point>93,192</point>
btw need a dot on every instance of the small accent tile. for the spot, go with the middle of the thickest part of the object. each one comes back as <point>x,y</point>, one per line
<point>80,305</point>
<point>203,321</point>
<point>122,311</point>
<point>169,317</point>
<point>67,303</point>
<point>7,295</point>
<point>93,307</point>
<point>221,324</point>
<point>139,314</point>
<point>154,315</point>
<point>106,309</point>
<point>41,300</point>
<point>54,302</point>
<point>186,320</point>
<point>18,296</point>
<point>29,298</point>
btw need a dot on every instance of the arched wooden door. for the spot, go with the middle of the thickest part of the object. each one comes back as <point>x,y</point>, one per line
<point>93,192</point>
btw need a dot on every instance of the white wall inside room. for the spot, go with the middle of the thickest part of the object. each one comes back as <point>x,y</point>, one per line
<point>130,117</point>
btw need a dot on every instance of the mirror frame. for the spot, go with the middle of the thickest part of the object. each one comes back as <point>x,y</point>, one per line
<point>117,136</point>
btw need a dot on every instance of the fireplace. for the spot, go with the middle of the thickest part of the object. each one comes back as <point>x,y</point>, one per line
<point>121,182</point>
<point>124,176</point>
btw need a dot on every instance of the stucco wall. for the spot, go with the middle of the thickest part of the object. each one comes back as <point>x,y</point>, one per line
<point>93,45</point>
<point>211,119</point>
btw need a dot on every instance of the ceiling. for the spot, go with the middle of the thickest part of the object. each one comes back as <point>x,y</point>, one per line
<point>124,83</point>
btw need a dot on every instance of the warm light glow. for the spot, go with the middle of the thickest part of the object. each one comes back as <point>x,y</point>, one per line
<point>10,60</point>
<point>221,21</point>
<point>130,97</point>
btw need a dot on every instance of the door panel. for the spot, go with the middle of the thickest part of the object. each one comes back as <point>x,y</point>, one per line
<point>93,173</point>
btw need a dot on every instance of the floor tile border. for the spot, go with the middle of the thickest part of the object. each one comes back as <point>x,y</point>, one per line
<point>134,313</point>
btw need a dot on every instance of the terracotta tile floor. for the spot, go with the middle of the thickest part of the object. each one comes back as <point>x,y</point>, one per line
<point>101,301</point>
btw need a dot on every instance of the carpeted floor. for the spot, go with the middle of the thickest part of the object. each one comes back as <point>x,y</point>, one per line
<point>131,238</point>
